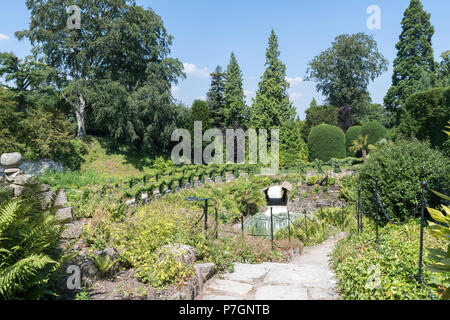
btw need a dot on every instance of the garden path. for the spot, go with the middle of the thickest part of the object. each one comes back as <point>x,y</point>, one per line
<point>306,277</point>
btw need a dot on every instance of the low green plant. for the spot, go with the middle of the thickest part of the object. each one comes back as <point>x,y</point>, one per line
<point>368,272</point>
<point>103,263</point>
<point>440,259</point>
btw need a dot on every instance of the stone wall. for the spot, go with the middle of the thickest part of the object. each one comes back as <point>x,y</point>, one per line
<point>15,180</point>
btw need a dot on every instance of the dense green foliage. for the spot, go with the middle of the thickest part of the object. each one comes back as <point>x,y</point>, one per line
<point>236,111</point>
<point>119,77</point>
<point>216,98</point>
<point>400,168</point>
<point>414,57</point>
<point>293,148</point>
<point>351,135</point>
<point>344,71</point>
<point>367,273</point>
<point>374,131</point>
<point>316,115</point>
<point>326,142</point>
<point>271,106</point>
<point>28,240</point>
<point>425,113</point>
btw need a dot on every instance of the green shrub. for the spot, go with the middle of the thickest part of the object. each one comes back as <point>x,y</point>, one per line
<point>426,111</point>
<point>400,168</point>
<point>28,241</point>
<point>374,131</point>
<point>367,273</point>
<point>326,142</point>
<point>352,134</point>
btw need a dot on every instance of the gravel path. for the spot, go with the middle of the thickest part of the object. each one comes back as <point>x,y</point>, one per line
<point>306,277</point>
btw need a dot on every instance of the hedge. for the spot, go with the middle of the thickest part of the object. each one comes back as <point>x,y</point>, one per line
<point>427,113</point>
<point>374,130</point>
<point>326,142</point>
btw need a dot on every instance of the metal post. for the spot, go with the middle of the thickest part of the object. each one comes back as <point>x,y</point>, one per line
<point>422,218</point>
<point>376,209</point>
<point>206,217</point>
<point>357,208</point>
<point>323,222</point>
<point>289,226</point>
<point>306,226</point>
<point>217,222</point>
<point>271,225</point>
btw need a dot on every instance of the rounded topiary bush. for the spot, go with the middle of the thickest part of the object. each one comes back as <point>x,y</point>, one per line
<point>374,131</point>
<point>352,134</point>
<point>326,142</point>
<point>400,168</point>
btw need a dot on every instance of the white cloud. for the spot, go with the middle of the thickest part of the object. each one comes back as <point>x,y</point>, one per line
<point>203,98</point>
<point>193,70</point>
<point>248,92</point>
<point>4,36</point>
<point>174,89</point>
<point>294,82</point>
<point>295,95</point>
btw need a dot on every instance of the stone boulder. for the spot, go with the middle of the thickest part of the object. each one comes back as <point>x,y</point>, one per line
<point>72,230</point>
<point>23,179</point>
<point>11,160</point>
<point>89,273</point>
<point>65,213</point>
<point>61,199</point>
<point>183,253</point>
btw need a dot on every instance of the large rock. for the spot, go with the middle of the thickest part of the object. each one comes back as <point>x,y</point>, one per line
<point>61,199</point>
<point>89,273</point>
<point>65,213</point>
<point>204,271</point>
<point>46,198</point>
<point>12,177</point>
<point>11,160</point>
<point>38,167</point>
<point>183,253</point>
<point>23,179</point>
<point>44,187</point>
<point>72,231</point>
<point>17,189</point>
<point>11,171</point>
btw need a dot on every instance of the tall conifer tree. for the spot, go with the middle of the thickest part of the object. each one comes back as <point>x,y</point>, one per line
<point>414,57</point>
<point>216,98</point>
<point>271,106</point>
<point>236,111</point>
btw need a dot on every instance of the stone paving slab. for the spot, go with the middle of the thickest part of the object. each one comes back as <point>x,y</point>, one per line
<point>307,277</point>
<point>231,287</point>
<point>281,292</point>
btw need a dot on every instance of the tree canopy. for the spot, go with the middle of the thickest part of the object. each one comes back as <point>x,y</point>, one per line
<point>236,110</point>
<point>344,71</point>
<point>271,106</point>
<point>414,57</point>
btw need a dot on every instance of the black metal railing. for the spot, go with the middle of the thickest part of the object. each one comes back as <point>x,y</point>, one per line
<point>379,206</point>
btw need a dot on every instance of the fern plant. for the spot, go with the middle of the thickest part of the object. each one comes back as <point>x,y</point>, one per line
<point>28,241</point>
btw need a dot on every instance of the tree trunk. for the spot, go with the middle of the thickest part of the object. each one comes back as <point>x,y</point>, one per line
<point>364,154</point>
<point>248,210</point>
<point>80,113</point>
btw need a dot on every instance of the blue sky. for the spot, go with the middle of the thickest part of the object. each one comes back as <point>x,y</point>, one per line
<point>206,31</point>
